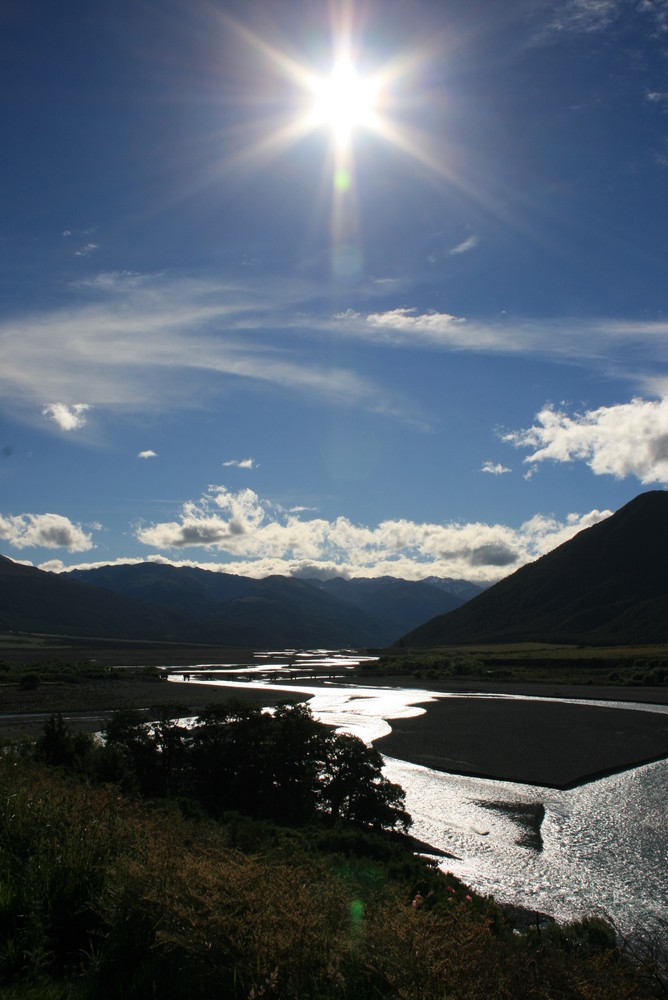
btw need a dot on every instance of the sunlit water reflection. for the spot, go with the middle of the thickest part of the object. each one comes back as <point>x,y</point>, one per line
<point>604,844</point>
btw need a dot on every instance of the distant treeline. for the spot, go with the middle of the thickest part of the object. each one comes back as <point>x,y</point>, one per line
<point>570,666</point>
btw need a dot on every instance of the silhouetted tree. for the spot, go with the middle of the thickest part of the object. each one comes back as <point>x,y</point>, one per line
<point>127,734</point>
<point>60,746</point>
<point>295,759</point>
<point>283,765</point>
<point>354,788</point>
<point>229,759</point>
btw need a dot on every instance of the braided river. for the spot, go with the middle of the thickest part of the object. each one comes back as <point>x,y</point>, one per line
<point>600,848</point>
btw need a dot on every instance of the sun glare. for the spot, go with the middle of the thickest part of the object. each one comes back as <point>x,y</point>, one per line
<point>343,101</point>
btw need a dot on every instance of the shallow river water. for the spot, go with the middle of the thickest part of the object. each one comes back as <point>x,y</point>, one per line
<point>601,847</point>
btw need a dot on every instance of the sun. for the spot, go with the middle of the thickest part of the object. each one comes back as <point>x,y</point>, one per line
<point>343,101</point>
<point>302,99</point>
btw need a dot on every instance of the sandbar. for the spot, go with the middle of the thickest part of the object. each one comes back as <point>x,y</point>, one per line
<point>537,741</point>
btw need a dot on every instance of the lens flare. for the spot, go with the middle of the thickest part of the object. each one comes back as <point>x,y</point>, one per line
<point>342,179</point>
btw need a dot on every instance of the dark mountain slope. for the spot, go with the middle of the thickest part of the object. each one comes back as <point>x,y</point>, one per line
<point>152,601</point>
<point>281,611</point>
<point>278,610</point>
<point>608,584</point>
<point>34,601</point>
<point>400,604</point>
<point>459,588</point>
<point>185,589</point>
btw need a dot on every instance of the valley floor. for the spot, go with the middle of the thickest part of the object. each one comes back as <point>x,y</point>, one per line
<point>546,742</point>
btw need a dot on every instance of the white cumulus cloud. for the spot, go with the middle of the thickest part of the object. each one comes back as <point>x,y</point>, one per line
<point>48,531</point>
<point>68,418</point>
<point>257,538</point>
<point>495,468</point>
<point>431,324</point>
<point>147,454</point>
<point>627,439</point>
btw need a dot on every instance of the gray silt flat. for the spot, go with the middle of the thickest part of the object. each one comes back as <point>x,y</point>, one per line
<point>537,742</point>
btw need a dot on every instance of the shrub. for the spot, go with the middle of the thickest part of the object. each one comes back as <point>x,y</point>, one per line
<point>29,682</point>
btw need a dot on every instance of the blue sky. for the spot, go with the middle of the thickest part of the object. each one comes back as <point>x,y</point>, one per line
<point>246,326</point>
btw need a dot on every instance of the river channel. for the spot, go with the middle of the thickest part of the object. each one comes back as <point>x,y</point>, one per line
<point>599,848</point>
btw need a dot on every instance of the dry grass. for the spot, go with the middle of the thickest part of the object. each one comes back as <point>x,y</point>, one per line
<point>101,896</point>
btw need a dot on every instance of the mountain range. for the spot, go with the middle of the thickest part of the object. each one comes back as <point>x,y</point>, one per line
<point>183,604</point>
<point>607,585</point>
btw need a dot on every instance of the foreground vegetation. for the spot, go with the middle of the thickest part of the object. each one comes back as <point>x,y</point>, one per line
<point>132,888</point>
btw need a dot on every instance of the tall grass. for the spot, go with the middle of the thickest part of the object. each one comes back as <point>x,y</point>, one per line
<point>102,896</point>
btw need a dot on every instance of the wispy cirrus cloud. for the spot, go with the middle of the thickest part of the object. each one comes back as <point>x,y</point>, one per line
<point>590,16</point>
<point>68,418</point>
<point>585,15</point>
<point>657,10</point>
<point>243,463</point>
<point>258,538</point>
<point>146,343</point>
<point>117,281</point>
<point>48,531</point>
<point>627,439</point>
<point>86,250</point>
<point>598,341</point>
<point>468,244</point>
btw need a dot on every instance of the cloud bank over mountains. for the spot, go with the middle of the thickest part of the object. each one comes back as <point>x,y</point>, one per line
<point>48,531</point>
<point>253,537</point>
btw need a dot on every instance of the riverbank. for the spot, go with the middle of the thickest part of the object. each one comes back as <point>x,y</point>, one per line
<point>529,738</point>
<point>87,704</point>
